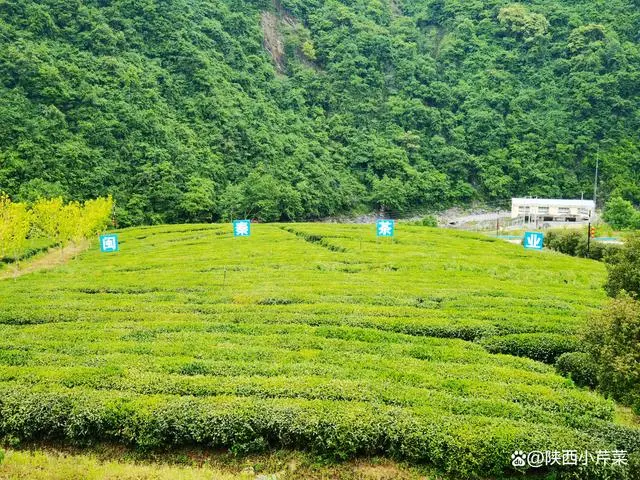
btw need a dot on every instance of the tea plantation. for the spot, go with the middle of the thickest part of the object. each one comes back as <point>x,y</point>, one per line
<point>307,336</point>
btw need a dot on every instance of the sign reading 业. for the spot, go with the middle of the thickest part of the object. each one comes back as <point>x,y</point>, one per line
<point>109,243</point>
<point>533,240</point>
<point>385,228</point>
<point>241,228</point>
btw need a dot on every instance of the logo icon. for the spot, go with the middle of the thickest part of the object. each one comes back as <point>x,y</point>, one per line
<point>241,228</point>
<point>519,459</point>
<point>385,228</point>
<point>533,240</point>
<point>109,243</point>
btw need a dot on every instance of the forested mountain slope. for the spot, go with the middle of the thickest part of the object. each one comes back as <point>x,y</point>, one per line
<point>192,110</point>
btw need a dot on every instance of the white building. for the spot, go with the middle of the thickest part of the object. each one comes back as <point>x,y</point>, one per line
<point>552,210</point>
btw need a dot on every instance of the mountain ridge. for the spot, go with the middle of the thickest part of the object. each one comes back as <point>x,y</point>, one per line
<point>178,110</point>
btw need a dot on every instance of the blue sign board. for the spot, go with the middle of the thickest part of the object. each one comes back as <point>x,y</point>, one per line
<point>109,243</point>
<point>385,228</point>
<point>241,228</point>
<point>533,240</point>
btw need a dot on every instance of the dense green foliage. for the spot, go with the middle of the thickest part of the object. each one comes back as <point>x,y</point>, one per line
<point>621,214</point>
<point>544,347</point>
<point>613,340</point>
<point>305,336</point>
<point>624,269</point>
<point>580,367</point>
<point>178,110</point>
<point>576,243</point>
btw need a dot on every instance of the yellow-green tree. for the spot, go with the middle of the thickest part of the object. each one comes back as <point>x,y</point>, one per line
<point>95,215</point>
<point>70,228</point>
<point>70,222</point>
<point>47,218</point>
<point>15,223</point>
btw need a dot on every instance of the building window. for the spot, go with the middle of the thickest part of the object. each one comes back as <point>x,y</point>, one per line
<point>523,209</point>
<point>584,211</point>
<point>543,210</point>
<point>564,211</point>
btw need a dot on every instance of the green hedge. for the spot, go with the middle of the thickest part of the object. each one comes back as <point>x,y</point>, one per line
<point>580,367</point>
<point>465,446</point>
<point>574,243</point>
<point>544,347</point>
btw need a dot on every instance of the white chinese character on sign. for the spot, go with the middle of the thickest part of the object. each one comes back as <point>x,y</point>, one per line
<point>109,243</point>
<point>242,228</point>
<point>385,228</point>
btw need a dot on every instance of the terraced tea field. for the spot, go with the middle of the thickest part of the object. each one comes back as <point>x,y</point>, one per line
<point>304,336</point>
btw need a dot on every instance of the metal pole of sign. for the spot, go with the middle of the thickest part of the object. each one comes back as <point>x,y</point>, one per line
<point>588,239</point>
<point>595,182</point>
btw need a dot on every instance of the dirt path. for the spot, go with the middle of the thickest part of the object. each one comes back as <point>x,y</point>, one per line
<point>53,258</point>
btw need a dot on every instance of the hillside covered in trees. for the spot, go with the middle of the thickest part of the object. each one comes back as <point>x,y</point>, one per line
<point>197,110</point>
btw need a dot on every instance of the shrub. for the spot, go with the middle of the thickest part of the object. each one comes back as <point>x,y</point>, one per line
<point>624,269</point>
<point>544,347</point>
<point>597,251</point>
<point>580,367</point>
<point>429,221</point>
<point>566,242</point>
<point>576,244</point>
<point>614,342</point>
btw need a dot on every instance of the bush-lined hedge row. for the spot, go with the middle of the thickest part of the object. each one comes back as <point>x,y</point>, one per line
<point>222,316</point>
<point>574,243</point>
<point>544,347</point>
<point>461,445</point>
<point>580,367</point>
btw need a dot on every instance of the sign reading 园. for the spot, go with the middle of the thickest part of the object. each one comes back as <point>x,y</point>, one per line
<point>109,243</point>
<point>533,240</point>
<point>241,228</point>
<point>385,228</point>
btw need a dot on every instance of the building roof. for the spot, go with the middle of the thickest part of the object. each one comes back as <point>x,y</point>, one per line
<point>554,201</point>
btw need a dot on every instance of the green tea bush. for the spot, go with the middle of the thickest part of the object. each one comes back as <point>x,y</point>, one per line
<point>580,367</point>
<point>544,347</point>
<point>469,447</point>
<point>622,437</point>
